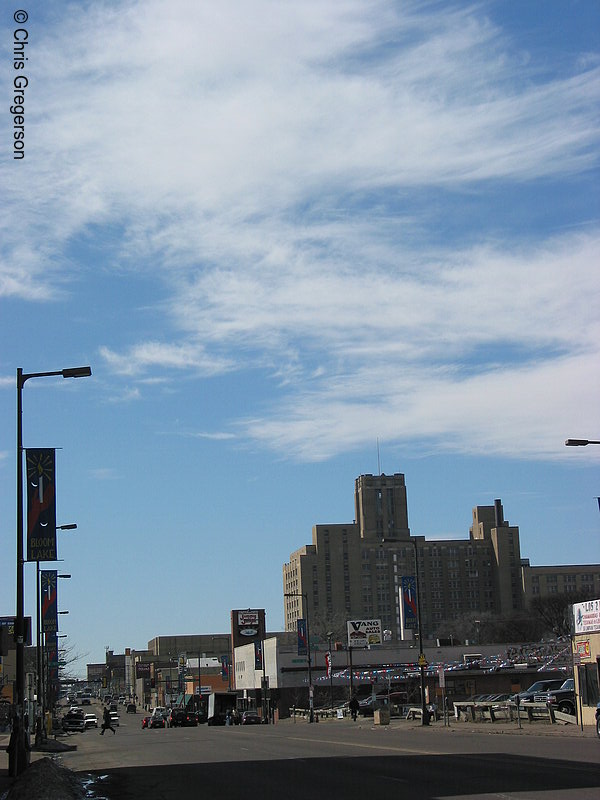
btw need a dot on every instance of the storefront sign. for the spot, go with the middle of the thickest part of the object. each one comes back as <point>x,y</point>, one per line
<point>582,649</point>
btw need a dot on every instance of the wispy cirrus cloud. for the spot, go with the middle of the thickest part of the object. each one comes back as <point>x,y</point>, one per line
<point>251,122</point>
<point>216,436</point>
<point>178,356</point>
<point>325,200</point>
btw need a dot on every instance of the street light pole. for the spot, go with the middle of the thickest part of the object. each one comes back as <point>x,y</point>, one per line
<point>20,760</point>
<point>329,637</point>
<point>311,707</point>
<point>424,712</point>
<point>39,728</point>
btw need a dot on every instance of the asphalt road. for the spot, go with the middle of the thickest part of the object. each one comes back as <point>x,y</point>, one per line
<point>339,758</point>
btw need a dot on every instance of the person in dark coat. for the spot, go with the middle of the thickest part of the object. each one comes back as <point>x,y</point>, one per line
<point>353,706</point>
<point>106,722</point>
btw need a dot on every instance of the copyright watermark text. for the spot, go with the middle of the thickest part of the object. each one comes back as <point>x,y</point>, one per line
<point>20,46</point>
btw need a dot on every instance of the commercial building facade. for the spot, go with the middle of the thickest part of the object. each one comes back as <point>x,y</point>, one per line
<point>586,657</point>
<point>355,570</point>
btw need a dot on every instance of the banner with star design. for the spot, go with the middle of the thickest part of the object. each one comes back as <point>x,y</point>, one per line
<point>41,505</point>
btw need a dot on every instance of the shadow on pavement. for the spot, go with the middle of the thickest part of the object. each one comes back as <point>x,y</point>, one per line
<point>375,778</point>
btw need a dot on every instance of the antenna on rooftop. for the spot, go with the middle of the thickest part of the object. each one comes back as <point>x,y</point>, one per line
<point>378,459</point>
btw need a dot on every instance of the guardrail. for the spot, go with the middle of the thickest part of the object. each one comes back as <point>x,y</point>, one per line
<point>475,711</point>
<point>319,713</point>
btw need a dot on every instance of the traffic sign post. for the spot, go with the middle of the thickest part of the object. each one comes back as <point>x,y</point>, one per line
<point>442,682</point>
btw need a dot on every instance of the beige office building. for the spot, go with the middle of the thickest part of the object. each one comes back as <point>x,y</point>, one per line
<point>354,570</point>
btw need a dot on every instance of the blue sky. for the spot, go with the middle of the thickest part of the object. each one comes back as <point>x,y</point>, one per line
<point>279,233</point>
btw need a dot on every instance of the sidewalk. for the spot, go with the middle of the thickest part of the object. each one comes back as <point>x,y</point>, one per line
<point>536,728</point>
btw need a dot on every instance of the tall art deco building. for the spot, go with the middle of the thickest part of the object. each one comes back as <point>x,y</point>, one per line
<point>354,570</point>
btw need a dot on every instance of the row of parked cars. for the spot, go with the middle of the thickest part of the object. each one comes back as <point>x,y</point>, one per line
<point>170,717</point>
<point>182,718</point>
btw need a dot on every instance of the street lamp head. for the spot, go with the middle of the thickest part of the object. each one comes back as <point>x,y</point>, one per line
<point>77,372</point>
<point>580,442</point>
<point>63,576</point>
<point>70,527</point>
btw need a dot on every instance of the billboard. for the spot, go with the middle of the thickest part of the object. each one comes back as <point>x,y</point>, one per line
<point>41,505</point>
<point>142,669</point>
<point>247,626</point>
<point>9,624</point>
<point>587,616</point>
<point>364,632</point>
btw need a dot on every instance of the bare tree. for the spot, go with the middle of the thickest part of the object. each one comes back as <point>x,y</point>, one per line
<point>553,610</point>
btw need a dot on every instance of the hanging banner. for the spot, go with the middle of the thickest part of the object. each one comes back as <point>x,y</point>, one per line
<point>258,655</point>
<point>328,664</point>
<point>41,505</point>
<point>51,648</point>
<point>409,602</point>
<point>49,600</point>
<point>224,667</point>
<point>302,638</point>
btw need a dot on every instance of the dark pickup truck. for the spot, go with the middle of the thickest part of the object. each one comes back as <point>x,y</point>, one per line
<point>563,698</point>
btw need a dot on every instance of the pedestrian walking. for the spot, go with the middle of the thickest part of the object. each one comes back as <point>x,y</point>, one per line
<point>354,706</point>
<point>106,722</point>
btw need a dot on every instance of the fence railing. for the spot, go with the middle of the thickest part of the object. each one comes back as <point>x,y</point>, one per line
<point>491,711</point>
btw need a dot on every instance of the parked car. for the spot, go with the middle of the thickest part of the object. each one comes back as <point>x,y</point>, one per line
<point>368,705</point>
<point>250,718</point>
<point>562,698</point>
<point>365,706</point>
<point>91,720</point>
<point>73,721</point>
